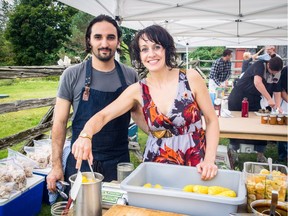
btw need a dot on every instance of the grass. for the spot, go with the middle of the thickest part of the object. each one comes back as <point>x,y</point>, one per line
<point>21,89</point>
<point>15,122</point>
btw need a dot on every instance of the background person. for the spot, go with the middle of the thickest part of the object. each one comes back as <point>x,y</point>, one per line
<point>282,146</point>
<point>270,51</point>
<point>248,59</point>
<point>172,102</point>
<point>220,71</point>
<point>261,78</point>
<point>89,87</point>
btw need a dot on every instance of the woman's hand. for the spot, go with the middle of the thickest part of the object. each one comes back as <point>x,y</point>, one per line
<point>82,150</point>
<point>208,170</point>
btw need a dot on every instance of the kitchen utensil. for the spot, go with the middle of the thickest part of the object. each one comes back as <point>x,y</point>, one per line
<point>270,177</point>
<point>74,190</point>
<point>64,182</point>
<point>62,194</point>
<point>91,170</point>
<point>273,202</point>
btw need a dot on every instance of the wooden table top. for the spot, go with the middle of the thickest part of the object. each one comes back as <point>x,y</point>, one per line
<point>250,128</point>
<point>122,210</point>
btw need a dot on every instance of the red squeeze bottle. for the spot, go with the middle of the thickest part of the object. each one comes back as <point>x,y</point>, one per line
<point>245,107</point>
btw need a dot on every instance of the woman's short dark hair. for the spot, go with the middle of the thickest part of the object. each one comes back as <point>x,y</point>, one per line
<point>275,63</point>
<point>158,35</point>
<point>101,18</point>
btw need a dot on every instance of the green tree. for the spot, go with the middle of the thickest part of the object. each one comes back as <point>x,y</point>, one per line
<point>74,44</point>
<point>6,53</point>
<point>37,29</point>
<point>127,37</point>
<point>206,53</point>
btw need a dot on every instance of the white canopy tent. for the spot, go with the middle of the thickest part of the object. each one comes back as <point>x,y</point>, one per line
<point>200,22</point>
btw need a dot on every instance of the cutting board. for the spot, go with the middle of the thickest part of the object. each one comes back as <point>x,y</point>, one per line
<point>122,210</point>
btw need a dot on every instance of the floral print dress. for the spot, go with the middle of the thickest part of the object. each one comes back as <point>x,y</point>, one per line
<point>178,137</point>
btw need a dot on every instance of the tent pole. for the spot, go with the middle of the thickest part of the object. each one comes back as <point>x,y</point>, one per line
<point>187,44</point>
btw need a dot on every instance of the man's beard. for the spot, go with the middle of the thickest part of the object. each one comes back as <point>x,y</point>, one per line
<point>104,58</point>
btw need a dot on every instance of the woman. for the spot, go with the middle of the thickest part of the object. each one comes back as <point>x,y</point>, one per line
<point>172,103</point>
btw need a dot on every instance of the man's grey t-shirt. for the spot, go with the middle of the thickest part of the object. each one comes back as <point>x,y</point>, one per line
<point>73,80</point>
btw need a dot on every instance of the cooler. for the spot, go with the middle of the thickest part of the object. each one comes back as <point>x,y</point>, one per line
<point>44,173</point>
<point>27,202</point>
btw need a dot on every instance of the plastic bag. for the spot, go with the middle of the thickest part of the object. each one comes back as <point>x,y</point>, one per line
<point>46,148</point>
<point>12,172</point>
<point>37,155</point>
<point>6,189</point>
<point>27,163</point>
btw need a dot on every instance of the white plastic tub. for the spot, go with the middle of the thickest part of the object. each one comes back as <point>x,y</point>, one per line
<point>171,198</point>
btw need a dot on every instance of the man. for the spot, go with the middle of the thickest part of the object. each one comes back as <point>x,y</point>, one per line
<point>282,146</point>
<point>89,87</point>
<point>260,79</point>
<point>220,71</point>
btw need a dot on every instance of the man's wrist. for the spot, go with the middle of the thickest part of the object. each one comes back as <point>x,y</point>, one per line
<point>85,135</point>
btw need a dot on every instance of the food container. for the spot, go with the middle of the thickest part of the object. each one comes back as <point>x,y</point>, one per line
<point>259,207</point>
<point>260,186</point>
<point>26,202</point>
<point>58,209</point>
<point>171,198</point>
<point>89,197</point>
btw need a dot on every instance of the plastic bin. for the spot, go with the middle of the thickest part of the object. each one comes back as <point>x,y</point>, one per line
<point>171,198</point>
<point>27,202</point>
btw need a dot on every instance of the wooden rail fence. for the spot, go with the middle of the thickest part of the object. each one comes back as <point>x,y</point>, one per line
<point>13,72</point>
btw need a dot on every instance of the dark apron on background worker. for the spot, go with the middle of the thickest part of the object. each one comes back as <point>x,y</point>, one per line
<point>110,145</point>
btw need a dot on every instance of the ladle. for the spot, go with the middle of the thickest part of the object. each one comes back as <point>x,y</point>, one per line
<point>270,177</point>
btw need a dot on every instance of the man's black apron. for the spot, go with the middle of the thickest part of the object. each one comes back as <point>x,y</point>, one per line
<point>110,145</point>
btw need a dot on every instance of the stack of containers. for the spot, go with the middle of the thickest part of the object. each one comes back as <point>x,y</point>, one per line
<point>260,186</point>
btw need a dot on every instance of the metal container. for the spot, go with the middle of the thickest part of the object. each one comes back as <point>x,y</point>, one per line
<point>89,198</point>
<point>58,209</point>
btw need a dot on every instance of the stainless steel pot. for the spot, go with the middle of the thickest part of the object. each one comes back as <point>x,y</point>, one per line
<point>89,198</point>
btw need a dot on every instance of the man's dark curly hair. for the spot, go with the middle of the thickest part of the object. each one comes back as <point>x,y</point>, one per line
<point>275,64</point>
<point>158,35</point>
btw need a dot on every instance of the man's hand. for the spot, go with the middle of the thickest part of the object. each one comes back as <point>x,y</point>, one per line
<point>271,103</point>
<point>54,175</point>
<point>82,150</point>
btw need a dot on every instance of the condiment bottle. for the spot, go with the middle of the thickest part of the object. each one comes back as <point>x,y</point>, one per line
<point>245,107</point>
<point>217,106</point>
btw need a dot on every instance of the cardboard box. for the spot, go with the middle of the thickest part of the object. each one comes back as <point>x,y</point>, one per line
<point>27,202</point>
<point>171,198</point>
